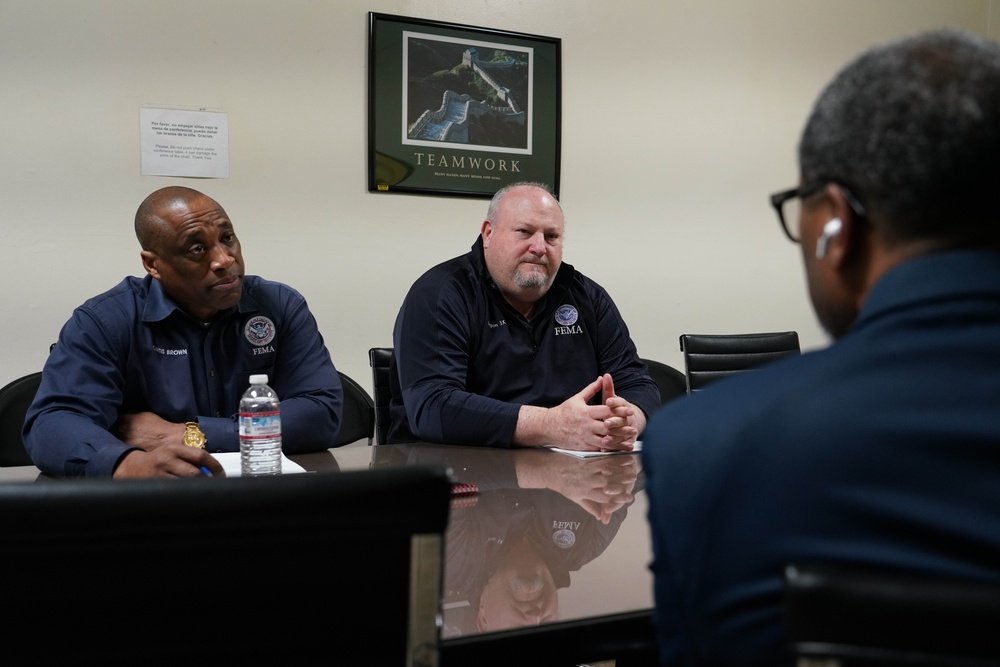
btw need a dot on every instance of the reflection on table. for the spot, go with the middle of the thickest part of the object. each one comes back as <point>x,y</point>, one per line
<point>515,550</point>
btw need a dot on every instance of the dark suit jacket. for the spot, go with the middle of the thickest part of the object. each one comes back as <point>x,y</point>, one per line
<point>882,450</point>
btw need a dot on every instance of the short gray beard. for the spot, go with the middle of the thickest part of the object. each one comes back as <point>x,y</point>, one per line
<point>532,280</point>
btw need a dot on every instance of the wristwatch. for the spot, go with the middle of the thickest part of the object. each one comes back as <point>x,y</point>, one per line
<point>193,437</point>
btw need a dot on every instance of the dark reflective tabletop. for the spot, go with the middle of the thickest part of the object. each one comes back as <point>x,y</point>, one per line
<point>545,547</point>
<point>545,538</point>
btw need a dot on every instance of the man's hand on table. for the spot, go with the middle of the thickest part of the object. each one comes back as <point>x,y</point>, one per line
<point>626,421</point>
<point>174,460</point>
<point>161,452</point>
<point>574,424</point>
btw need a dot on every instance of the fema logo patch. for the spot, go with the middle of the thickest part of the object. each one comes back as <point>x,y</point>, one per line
<point>566,315</point>
<point>564,539</point>
<point>259,331</point>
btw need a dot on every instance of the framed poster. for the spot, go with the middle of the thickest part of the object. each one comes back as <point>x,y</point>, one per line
<point>460,110</point>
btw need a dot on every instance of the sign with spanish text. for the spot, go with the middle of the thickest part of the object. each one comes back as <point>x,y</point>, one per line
<point>177,142</point>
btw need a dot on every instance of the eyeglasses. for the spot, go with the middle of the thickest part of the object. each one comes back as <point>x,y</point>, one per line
<point>788,205</point>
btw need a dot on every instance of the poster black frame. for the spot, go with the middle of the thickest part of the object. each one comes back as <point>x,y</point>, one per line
<point>401,162</point>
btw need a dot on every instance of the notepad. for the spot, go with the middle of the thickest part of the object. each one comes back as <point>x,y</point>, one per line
<point>230,462</point>
<point>589,455</point>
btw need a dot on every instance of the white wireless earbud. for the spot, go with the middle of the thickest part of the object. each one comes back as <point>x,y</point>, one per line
<point>830,229</point>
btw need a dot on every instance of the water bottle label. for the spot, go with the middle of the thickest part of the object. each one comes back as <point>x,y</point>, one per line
<point>260,425</point>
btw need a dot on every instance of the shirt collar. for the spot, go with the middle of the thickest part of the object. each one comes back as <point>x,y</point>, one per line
<point>935,277</point>
<point>159,306</point>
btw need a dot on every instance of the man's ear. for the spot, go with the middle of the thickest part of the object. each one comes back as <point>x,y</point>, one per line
<point>840,242</point>
<point>149,259</point>
<point>487,231</point>
<point>832,227</point>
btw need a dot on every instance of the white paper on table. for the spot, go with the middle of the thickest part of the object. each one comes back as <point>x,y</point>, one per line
<point>587,455</point>
<point>230,462</point>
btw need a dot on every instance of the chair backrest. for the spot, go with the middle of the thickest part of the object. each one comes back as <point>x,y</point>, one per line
<point>359,413</point>
<point>15,399</point>
<point>295,569</point>
<point>848,616</point>
<point>380,359</point>
<point>709,357</point>
<point>670,381</point>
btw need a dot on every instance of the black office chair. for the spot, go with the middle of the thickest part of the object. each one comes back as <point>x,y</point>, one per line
<point>15,399</point>
<point>670,381</point>
<point>359,413</point>
<point>380,359</point>
<point>838,615</point>
<point>298,569</point>
<point>710,357</point>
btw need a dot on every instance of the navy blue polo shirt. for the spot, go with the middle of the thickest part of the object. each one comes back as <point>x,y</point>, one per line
<point>132,349</point>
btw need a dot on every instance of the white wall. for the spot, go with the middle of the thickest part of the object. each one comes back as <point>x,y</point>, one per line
<point>668,210</point>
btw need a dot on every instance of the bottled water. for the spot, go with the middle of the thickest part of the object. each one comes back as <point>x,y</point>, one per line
<point>260,429</point>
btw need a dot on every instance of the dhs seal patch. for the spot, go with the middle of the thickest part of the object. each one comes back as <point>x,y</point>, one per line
<point>566,315</point>
<point>259,331</point>
<point>564,539</point>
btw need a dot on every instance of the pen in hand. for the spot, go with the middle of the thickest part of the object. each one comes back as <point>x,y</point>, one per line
<point>205,471</point>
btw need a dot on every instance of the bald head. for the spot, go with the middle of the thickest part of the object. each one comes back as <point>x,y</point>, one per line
<point>493,212</point>
<point>150,218</point>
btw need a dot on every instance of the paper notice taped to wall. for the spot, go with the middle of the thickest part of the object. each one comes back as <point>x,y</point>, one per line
<point>177,142</point>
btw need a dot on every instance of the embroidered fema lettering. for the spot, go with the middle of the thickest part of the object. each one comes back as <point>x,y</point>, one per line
<point>259,331</point>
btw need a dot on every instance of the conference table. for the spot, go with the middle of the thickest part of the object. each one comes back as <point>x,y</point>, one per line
<point>546,554</point>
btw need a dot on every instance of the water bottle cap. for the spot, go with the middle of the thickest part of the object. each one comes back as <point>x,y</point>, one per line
<point>258,379</point>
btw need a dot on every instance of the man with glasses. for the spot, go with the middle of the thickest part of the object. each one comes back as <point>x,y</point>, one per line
<point>882,450</point>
